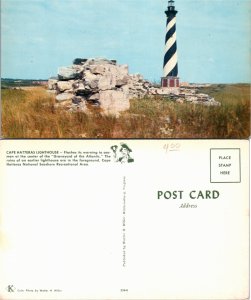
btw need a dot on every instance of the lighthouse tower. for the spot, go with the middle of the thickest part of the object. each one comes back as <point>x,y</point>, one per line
<point>170,66</point>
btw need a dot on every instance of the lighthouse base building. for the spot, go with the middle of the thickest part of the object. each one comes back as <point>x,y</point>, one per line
<point>170,82</point>
<point>170,66</point>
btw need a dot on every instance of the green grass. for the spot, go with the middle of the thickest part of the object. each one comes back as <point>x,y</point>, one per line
<point>31,114</point>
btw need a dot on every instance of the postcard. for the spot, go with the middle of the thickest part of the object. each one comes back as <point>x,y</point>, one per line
<point>124,146</point>
<point>116,219</point>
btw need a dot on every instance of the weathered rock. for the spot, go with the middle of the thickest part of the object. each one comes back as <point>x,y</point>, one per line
<point>120,72</point>
<point>97,69</point>
<point>52,84</point>
<point>122,81</point>
<point>78,85</point>
<point>107,82</point>
<point>113,102</point>
<point>64,85</point>
<point>67,73</point>
<point>88,76</point>
<point>83,90</point>
<point>64,97</point>
<point>79,61</point>
<point>125,89</point>
<point>99,61</point>
<point>166,91</point>
<point>137,77</point>
<point>94,97</point>
<point>77,99</point>
<point>123,70</point>
<point>83,93</point>
<point>91,79</point>
<point>212,103</point>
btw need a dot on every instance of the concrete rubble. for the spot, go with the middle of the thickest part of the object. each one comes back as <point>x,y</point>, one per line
<point>97,82</point>
<point>191,96</point>
<point>105,84</point>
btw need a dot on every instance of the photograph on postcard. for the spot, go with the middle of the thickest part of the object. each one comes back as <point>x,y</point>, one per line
<point>125,69</point>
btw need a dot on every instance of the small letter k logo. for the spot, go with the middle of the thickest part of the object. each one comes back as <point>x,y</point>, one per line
<point>10,288</point>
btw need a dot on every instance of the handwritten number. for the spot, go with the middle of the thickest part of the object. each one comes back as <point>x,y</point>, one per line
<point>172,147</point>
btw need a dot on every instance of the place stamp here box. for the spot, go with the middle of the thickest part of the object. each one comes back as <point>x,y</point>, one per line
<point>225,166</point>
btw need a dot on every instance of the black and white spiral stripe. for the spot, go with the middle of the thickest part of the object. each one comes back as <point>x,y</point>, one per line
<point>171,58</point>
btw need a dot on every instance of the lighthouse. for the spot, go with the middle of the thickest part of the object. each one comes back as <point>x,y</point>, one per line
<point>170,66</point>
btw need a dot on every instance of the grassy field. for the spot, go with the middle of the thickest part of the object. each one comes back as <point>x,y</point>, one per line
<point>31,114</point>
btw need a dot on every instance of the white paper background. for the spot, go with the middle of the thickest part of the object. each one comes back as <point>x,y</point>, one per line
<point>62,226</point>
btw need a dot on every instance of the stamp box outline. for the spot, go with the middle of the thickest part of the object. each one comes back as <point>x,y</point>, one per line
<point>239,149</point>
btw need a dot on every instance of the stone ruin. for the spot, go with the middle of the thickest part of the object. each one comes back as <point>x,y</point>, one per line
<point>105,84</point>
<point>97,83</point>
